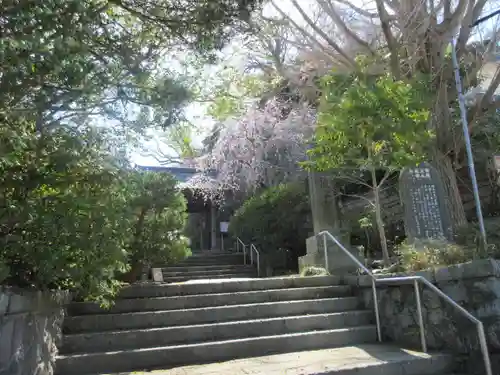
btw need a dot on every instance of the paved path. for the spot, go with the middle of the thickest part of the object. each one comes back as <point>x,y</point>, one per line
<point>301,363</point>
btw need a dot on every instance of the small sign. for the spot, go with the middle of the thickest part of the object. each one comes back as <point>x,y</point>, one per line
<point>157,274</point>
<point>224,226</point>
<point>496,162</point>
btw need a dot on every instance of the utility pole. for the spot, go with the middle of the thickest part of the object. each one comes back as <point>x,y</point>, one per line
<point>465,128</point>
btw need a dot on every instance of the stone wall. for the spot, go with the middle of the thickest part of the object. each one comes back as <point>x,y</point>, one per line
<point>30,330</point>
<point>474,285</point>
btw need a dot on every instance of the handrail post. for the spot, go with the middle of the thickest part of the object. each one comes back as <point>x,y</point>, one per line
<point>258,264</point>
<point>244,255</point>
<point>484,347</point>
<point>418,301</point>
<point>251,255</point>
<point>377,314</point>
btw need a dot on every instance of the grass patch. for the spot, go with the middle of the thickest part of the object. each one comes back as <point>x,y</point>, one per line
<point>436,253</point>
<point>314,271</point>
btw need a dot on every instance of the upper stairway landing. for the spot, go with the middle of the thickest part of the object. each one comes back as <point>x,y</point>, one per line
<point>206,266</point>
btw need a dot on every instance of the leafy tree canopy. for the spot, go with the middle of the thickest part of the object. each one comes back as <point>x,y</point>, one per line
<point>367,122</point>
<point>67,59</point>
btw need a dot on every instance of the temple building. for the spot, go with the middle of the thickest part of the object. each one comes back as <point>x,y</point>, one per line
<point>205,214</point>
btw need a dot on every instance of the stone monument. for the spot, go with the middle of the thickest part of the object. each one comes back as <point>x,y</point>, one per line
<point>426,214</point>
<point>326,216</point>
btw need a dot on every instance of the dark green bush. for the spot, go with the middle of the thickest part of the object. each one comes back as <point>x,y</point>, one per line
<point>160,219</point>
<point>71,213</point>
<point>278,218</point>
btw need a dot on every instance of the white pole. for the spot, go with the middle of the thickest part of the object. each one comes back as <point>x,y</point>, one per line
<point>468,147</point>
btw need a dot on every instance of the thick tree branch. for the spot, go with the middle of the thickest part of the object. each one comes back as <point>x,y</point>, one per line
<point>320,32</point>
<point>332,12</point>
<point>306,35</point>
<point>452,21</point>
<point>392,43</point>
<point>472,14</point>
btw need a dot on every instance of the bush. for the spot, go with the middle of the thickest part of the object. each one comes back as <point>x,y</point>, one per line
<point>63,221</point>
<point>160,218</point>
<point>278,218</point>
<point>314,271</point>
<point>69,213</point>
<point>431,254</point>
<point>467,247</point>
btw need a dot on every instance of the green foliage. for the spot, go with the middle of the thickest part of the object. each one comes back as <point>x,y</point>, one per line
<point>179,138</point>
<point>235,90</point>
<point>431,254</point>
<point>369,122</point>
<point>278,218</point>
<point>64,218</point>
<point>468,247</point>
<point>69,212</point>
<point>160,220</point>
<point>74,58</point>
<point>314,271</point>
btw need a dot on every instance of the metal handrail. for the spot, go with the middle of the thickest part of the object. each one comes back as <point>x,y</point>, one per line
<point>252,247</point>
<point>415,280</point>
<point>238,243</point>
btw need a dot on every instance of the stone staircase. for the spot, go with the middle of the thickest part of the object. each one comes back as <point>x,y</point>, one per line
<point>171,325</point>
<point>212,265</point>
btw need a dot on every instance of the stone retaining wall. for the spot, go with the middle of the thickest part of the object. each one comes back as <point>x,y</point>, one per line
<point>30,331</point>
<point>474,285</point>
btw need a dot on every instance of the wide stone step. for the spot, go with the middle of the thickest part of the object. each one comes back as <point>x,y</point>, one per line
<point>210,300</point>
<point>138,320</point>
<point>134,339</point>
<point>210,262</point>
<point>161,290</point>
<point>214,256</point>
<point>368,359</point>
<point>207,273</point>
<point>222,267</point>
<point>170,356</point>
<point>221,275</point>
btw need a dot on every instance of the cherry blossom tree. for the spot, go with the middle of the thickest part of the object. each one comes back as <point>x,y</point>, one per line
<point>261,148</point>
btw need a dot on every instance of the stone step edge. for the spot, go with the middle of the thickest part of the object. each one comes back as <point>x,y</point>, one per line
<point>208,266</point>
<point>220,324</point>
<point>221,275</point>
<point>334,280</point>
<point>209,271</point>
<point>248,292</point>
<point>305,289</point>
<point>222,342</point>
<point>153,289</point>
<point>243,305</point>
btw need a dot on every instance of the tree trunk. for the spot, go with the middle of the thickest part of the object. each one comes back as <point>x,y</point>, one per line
<point>453,198</point>
<point>379,220</point>
<point>134,274</point>
<point>448,146</point>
